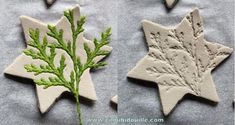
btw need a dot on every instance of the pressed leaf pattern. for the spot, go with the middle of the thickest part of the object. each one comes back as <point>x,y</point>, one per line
<point>180,61</point>
<point>166,66</point>
<point>181,58</point>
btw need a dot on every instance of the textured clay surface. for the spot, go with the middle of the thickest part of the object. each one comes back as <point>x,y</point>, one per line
<point>180,60</point>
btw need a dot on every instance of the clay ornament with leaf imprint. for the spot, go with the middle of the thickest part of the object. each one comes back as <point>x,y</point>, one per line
<point>180,60</point>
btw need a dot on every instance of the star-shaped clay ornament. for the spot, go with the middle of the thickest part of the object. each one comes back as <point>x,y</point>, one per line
<point>180,60</point>
<point>170,3</point>
<point>46,97</point>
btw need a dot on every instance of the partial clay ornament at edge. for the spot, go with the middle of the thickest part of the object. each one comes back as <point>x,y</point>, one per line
<point>46,97</point>
<point>115,99</point>
<point>50,2</point>
<point>180,60</point>
<point>170,3</point>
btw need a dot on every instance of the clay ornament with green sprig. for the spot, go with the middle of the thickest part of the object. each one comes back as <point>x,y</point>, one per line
<point>58,58</point>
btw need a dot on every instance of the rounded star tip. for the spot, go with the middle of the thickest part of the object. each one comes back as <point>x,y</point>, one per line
<point>166,112</point>
<point>43,110</point>
<point>23,17</point>
<point>77,7</point>
<point>129,74</point>
<point>91,96</point>
<point>230,49</point>
<point>216,100</point>
<point>144,22</point>
<point>26,18</point>
<point>5,71</point>
<point>195,9</point>
<point>94,98</point>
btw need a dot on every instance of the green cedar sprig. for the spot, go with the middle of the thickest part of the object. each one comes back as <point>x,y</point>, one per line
<point>39,48</point>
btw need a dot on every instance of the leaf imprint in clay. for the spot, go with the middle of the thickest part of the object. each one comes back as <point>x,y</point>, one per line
<point>180,60</point>
<point>58,58</point>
